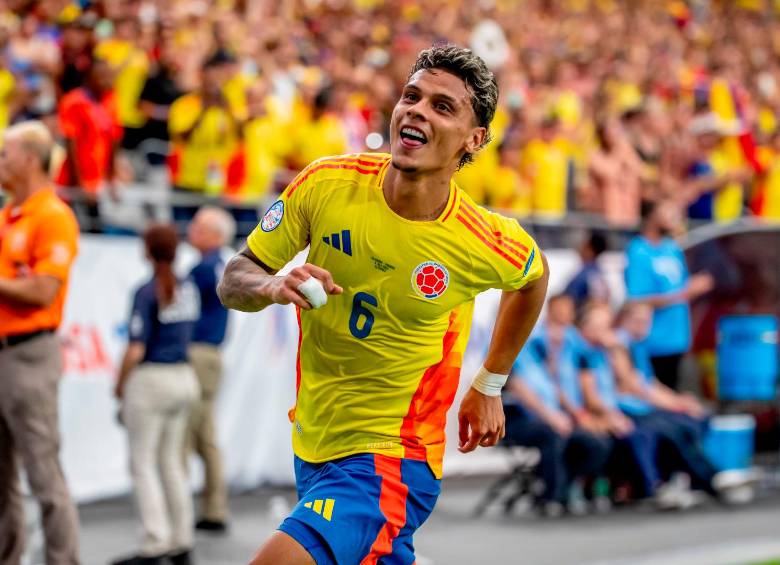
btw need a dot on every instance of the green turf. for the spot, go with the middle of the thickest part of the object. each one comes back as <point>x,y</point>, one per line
<point>770,562</point>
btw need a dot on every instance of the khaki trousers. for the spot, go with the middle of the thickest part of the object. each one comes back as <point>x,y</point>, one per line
<point>202,436</point>
<point>29,434</point>
<point>157,404</point>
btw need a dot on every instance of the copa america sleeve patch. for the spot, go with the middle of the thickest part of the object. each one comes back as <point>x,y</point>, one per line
<point>273,217</point>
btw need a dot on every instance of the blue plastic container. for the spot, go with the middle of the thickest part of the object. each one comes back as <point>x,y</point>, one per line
<point>729,442</point>
<point>747,357</point>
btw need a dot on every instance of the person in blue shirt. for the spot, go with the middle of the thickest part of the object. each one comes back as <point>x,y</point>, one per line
<point>678,419</point>
<point>657,274</point>
<point>157,389</point>
<point>636,444</point>
<point>536,416</point>
<point>210,231</point>
<point>589,283</point>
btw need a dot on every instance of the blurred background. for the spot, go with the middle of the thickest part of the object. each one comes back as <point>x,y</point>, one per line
<point>607,109</point>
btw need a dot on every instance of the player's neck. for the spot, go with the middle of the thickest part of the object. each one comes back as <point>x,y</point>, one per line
<point>420,198</point>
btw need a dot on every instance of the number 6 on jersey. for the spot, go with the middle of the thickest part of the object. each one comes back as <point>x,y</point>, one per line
<point>358,311</point>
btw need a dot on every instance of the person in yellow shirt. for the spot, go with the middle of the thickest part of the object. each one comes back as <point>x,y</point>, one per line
<point>768,197</point>
<point>323,134</point>
<point>545,163</point>
<point>397,254</point>
<point>131,68</point>
<point>7,89</point>
<point>507,189</point>
<point>715,187</point>
<point>263,152</point>
<point>205,135</point>
<point>475,178</point>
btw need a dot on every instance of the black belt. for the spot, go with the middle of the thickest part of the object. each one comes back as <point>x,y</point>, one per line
<point>11,340</point>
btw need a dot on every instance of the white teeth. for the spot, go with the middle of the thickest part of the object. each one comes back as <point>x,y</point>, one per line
<point>413,133</point>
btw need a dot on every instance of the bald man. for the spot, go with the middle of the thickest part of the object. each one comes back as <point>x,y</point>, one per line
<point>38,241</point>
<point>210,231</point>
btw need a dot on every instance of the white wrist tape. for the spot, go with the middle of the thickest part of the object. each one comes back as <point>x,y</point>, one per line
<point>489,384</point>
<point>314,292</point>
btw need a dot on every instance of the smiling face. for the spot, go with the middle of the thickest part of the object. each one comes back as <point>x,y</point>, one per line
<point>433,124</point>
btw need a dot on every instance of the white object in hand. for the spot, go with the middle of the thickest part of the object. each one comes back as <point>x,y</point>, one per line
<point>314,292</point>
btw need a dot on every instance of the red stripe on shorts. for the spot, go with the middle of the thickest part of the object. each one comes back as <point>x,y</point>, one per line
<point>392,503</point>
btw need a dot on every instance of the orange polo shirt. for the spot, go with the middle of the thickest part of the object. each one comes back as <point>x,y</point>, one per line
<point>39,237</point>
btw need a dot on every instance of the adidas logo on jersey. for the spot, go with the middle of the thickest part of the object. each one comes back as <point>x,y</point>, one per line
<point>322,507</point>
<point>340,241</point>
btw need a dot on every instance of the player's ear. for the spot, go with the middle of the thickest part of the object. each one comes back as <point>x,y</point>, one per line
<point>475,140</point>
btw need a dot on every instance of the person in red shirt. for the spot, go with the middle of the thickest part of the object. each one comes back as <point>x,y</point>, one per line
<point>89,122</point>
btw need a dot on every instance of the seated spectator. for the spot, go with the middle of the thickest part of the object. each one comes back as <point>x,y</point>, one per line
<point>636,445</point>
<point>679,420</point>
<point>535,418</point>
<point>589,284</point>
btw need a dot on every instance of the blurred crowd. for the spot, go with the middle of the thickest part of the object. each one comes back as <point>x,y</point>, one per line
<point>604,105</point>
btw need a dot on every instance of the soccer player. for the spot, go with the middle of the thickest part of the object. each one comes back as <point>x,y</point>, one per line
<point>401,252</point>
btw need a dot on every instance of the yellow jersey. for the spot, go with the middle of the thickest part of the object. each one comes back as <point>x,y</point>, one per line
<point>546,165</point>
<point>132,66</point>
<point>200,161</point>
<point>378,366</point>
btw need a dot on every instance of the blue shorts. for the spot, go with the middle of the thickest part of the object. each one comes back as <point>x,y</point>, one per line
<point>361,509</point>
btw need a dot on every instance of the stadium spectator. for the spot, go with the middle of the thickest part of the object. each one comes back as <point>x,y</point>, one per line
<point>90,125</point>
<point>716,175</point>
<point>33,59</point>
<point>582,64</point>
<point>209,232</point>
<point>158,389</point>
<point>545,163</point>
<point>264,152</point>
<point>507,189</point>
<point>679,420</point>
<point>536,418</point>
<point>204,131</point>
<point>635,445</point>
<point>767,197</point>
<point>615,173</point>
<point>77,40</point>
<point>590,283</point>
<point>130,66</point>
<point>657,274</point>
<point>323,133</point>
<point>159,92</point>
<point>37,248</point>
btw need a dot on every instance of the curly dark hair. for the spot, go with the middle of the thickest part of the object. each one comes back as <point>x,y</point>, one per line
<point>472,70</point>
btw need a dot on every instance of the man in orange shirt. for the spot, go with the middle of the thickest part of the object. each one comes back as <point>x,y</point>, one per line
<point>38,240</point>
